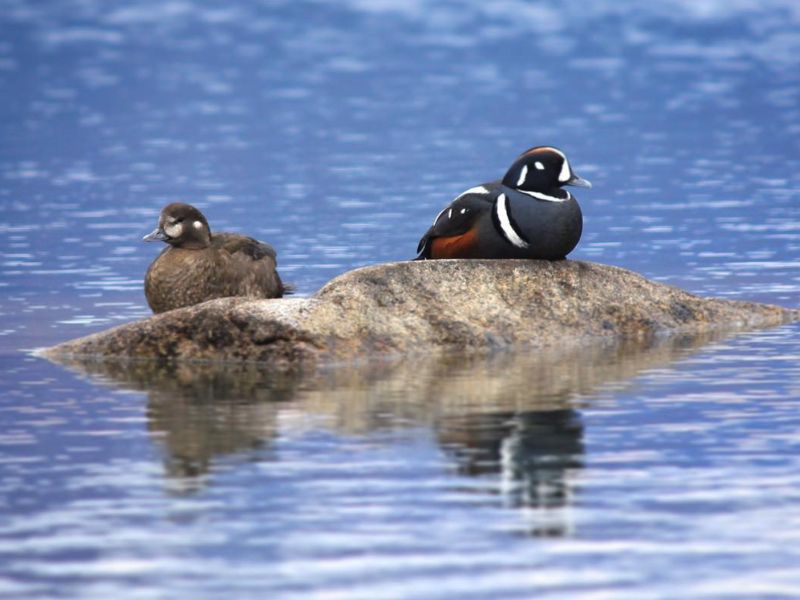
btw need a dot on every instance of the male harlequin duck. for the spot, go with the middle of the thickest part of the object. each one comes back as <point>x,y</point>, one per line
<point>527,214</point>
<point>197,266</point>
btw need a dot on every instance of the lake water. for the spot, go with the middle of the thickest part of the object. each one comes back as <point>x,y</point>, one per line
<point>337,131</point>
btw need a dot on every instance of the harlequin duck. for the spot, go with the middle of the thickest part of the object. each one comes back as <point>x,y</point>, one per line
<point>527,214</point>
<point>197,266</point>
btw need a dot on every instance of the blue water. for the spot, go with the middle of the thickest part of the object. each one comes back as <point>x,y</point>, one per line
<point>337,131</point>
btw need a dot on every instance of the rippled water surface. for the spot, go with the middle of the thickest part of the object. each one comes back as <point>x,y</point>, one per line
<point>336,131</point>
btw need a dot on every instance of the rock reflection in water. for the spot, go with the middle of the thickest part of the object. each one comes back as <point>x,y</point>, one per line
<point>201,413</point>
<point>513,416</point>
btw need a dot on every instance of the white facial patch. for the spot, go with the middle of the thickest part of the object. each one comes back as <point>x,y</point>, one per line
<point>506,228</point>
<point>522,175</point>
<point>197,225</point>
<point>566,173</point>
<point>173,230</point>
<point>545,197</point>
<point>539,165</point>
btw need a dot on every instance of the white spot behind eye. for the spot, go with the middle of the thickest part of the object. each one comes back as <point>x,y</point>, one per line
<point>539,165</point>
<point>522,175</point>
<point>463,210</point>
<point>197,225</point>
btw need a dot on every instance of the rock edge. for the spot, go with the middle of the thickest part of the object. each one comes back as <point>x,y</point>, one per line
<point>423,307</point>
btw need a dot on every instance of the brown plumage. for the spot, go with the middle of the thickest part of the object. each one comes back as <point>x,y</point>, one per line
<point>197,266</point>
<point>456,246</point>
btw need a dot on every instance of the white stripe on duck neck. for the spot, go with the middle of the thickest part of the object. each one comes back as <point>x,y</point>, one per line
<point>545,197</point>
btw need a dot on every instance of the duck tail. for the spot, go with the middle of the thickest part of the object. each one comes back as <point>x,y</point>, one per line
<point>424,248</point>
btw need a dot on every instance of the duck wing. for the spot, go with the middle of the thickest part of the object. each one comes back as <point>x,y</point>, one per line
<point>458,217</point>
<point>243,246</point>
<point>249,266</point>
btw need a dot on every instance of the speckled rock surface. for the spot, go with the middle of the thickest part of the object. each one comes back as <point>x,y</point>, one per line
<point>429,306</point>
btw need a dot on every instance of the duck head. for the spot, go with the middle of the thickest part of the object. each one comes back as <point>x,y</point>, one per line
<point>182,226</point>
<point>541,172</point>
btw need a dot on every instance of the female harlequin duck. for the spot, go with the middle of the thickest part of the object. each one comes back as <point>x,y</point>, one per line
<point>525,215</point>
<point>197,266</point>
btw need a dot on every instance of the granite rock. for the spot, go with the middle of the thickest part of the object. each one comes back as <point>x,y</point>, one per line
<point>425,307</point>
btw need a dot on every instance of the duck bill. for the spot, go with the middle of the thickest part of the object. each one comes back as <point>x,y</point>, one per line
<point>578,181</point>
<point>157,235</point>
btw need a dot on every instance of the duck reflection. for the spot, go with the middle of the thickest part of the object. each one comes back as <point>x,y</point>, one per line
<point>197,426</point>
<point>200,414</point>
<point>537,455</point>
<point>512,416</point>
<point>533,451</point>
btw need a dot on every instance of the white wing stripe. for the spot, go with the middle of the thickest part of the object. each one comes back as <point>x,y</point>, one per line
<point>479,189</point>
<point>441,212</point>
<point>474,190</point>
